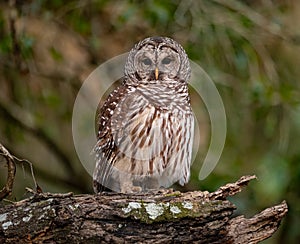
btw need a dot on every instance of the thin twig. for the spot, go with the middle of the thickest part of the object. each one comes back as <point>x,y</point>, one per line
<point>11,171</point>
<point>31,170</point>
<point>11,163</point>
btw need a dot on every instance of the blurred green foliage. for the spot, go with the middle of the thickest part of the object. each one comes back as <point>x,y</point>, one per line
<point>249,48</point>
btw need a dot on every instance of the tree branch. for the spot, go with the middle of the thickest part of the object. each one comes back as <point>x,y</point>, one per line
<point>160,216</point>
<point>11,171</point>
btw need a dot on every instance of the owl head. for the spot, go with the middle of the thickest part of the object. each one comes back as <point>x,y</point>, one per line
<point>157,59</point>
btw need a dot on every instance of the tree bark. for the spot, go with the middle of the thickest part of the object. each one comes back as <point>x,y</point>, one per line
<point>154,217</point>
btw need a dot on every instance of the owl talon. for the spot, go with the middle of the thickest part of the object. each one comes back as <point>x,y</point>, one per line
<point>131,189</point>
<point>137,189</point>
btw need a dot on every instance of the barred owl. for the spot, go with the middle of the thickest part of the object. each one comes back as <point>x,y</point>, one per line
<point>146,125</point>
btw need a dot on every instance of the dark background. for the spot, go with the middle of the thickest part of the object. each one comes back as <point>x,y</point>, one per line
<point>249,48</point>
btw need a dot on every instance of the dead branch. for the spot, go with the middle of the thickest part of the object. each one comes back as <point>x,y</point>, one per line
<point>153,217</point>
<point>11,171</point>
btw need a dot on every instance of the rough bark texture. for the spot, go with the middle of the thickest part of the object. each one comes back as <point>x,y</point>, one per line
<point>154,217</point>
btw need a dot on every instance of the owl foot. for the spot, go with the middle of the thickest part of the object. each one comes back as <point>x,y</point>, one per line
<point>136,189</point>
<point>127,188</point>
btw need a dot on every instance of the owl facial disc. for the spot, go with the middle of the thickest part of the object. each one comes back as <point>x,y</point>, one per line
<point>157,59</point>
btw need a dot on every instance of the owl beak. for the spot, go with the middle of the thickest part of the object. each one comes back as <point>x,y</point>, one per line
<point>156,73</point>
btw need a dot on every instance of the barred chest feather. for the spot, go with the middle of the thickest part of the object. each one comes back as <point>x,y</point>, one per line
<point>146,126</point>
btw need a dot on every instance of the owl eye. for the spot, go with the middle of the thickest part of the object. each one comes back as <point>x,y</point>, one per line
<point>166,61</point>
<point>147,61</point>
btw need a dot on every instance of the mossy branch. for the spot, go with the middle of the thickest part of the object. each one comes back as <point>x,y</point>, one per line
<point>160,216</point>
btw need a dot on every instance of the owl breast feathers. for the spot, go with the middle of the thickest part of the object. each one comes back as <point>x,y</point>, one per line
<point>146,125</point>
